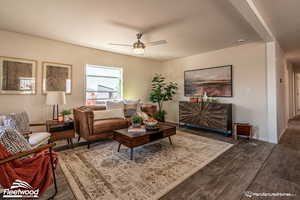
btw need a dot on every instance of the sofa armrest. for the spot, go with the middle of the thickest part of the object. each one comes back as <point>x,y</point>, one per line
<point>26,153</point>
<point>149,109</point>
<point>84,121</point>
<point>26,134</point>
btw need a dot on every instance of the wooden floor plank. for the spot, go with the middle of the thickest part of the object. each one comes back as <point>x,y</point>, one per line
<point>234,169</point>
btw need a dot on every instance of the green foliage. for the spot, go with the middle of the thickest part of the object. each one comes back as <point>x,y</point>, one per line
<point>160,115</point>
<point>66,112</point>
<point>161,92</point>
<point>136,119</point>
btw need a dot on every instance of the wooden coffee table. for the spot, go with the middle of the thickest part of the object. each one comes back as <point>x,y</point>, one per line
<point>132,140</point>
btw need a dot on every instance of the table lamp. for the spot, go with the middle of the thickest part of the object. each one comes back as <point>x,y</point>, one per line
<point>55,99</point>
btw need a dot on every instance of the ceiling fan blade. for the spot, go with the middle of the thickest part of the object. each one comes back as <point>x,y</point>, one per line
<point>123,45</point>
<point>155,43</point>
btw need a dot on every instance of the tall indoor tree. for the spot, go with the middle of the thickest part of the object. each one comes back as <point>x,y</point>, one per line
<point>161,92</point>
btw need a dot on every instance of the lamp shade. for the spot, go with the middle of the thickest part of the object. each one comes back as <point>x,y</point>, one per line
<point>54,98</point>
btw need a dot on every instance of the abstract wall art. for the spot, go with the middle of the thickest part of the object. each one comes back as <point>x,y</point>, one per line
<point>215,81</point>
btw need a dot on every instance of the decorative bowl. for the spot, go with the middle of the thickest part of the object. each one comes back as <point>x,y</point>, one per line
<point>150,122</point>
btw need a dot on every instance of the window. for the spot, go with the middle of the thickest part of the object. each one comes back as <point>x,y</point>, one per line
<point>102,84</point>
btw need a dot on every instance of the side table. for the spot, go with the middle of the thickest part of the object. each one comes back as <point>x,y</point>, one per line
<point>61,130</point>
<point>243,129</point>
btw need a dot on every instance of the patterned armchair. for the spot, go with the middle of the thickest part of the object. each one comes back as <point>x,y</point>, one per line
<point>20,122</point>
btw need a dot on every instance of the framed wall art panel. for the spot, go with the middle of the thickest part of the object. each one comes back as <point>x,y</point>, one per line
<point>215,82</point>
<point>17,76</point>
<point>57,77</point>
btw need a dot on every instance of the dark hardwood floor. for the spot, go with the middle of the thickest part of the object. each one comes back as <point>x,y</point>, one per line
<point>253,166</point>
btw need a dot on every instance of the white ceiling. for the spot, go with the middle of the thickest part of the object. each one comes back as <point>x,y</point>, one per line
<point>189,26</point>
<point>283,16</point>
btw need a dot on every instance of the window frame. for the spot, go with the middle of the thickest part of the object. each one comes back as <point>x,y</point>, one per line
<point>104,67</point>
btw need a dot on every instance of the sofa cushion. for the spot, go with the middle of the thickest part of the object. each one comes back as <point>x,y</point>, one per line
<point>109,125</point>
<point>13,141</point>
<point>131,107</point>
<point>108,114</point>
<point>114,105</point>
<point>38,138</point>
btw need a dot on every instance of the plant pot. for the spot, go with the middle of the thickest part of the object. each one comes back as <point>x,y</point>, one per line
<point>136,125</point>
<point>66,118</point>
<point>160,116</point>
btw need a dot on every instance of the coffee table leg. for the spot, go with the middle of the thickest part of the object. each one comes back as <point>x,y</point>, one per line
<point>71,141</point>
<point>119,147</point>
<point>170,140</point>
<point>131,153</point>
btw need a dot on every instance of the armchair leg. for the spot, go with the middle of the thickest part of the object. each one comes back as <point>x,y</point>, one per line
<point>53,173</point>
<point>89,144</point>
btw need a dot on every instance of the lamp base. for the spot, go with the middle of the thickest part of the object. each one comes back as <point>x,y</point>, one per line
<point>55,112</point>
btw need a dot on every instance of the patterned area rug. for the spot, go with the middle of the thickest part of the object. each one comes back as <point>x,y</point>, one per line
<point>103,173</point>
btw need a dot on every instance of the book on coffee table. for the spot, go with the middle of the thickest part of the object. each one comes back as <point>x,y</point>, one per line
<point>140,129</point>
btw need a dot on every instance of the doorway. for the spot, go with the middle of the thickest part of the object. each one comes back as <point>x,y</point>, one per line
<point>297,92</point>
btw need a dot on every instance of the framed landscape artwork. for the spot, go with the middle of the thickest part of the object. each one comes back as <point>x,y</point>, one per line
<point>17,76</point>
<point>215,81</point>
<point>57,77</point>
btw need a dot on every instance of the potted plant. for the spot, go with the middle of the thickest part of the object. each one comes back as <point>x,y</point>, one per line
<point>66,114</point>
<point>161,92</point>
<point>136,121</point>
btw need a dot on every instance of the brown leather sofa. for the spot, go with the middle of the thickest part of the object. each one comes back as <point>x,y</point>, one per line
<point>92,130</point>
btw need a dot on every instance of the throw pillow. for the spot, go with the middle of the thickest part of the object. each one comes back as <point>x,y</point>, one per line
<point>19,121</point>
<point>114,105</point>
<point>135,101</point>
<point>13,141</point>
<point>108,114</point>
<point>143,115</point>
<point>131,107</point>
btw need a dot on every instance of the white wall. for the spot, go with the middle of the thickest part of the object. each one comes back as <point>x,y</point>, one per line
<point>249,82</point>
<point>137,72</point>
<point>290,90</point>
<point>282,88</point>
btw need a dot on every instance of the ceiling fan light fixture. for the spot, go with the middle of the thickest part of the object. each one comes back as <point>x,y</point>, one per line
<point>139,48</point>
<point>139,51</point>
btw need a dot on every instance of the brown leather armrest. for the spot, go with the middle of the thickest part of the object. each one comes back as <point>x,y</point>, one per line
<point>26,153</point>
<point>37,124</point>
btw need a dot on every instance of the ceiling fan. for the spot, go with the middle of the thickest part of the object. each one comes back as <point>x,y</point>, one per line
<point>139,46</point>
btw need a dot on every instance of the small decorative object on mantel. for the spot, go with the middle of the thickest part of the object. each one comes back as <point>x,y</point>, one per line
<point>242,129</point>
<point>194,99</point>
<point>212,100</point>
<point>205,97</point>
<point>60,117</point>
